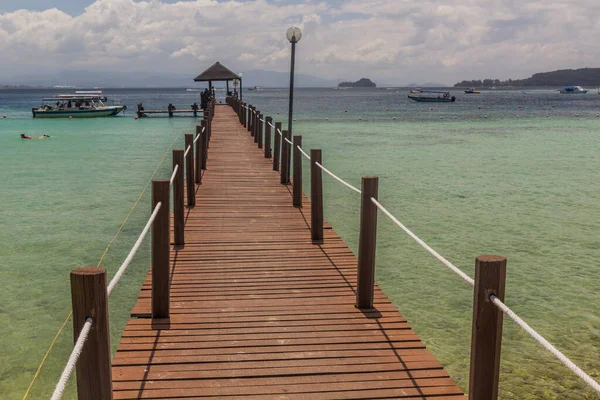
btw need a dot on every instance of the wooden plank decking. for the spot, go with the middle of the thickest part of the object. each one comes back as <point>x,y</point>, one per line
<point>260,312</point>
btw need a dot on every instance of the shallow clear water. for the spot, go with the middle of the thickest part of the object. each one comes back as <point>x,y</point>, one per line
<point>479,176</point>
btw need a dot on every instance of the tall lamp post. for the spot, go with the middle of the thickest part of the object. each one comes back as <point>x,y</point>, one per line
<point>294,34</point>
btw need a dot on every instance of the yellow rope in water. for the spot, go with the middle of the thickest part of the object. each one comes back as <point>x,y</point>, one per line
<point>37,373</point>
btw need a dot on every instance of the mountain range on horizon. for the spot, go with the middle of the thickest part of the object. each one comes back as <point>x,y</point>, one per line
<point>118,79</point>
<point>83,78</point>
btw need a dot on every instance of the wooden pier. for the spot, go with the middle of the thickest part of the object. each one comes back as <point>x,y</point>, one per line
<point>258,309</point>
<point>170,111</point>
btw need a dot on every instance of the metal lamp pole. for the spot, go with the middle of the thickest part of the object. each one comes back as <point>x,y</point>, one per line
<point>294,34</point>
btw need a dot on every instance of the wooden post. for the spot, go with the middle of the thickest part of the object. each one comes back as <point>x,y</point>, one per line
<point>245,115</point>
<point>367,243</point>
<point>285,160</point>
<point>276,146</point>
<point>161,249</point>
<point>211,111</point>
<point>89,298</point>
<point>316,196</point>
<point>260,131</point>
<point>178,206</point>
<point>297,171</point>
<point>189,170</point>
<point>198,158</point>
<point>256,122</point>
<point>486,337</point>
<point>250,113</point>
<point>269,121</point>
<point>204,145</point>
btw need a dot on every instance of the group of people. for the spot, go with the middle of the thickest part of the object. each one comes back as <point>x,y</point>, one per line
<point>205,97</point>
<point>69,104</point>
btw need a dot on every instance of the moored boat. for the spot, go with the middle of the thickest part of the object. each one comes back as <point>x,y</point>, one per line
<point>472,91</point>
<point>431,96</point>
<point>573,90</point>
<point>82,105</point>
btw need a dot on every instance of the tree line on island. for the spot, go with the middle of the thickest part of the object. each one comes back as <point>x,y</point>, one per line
<point>361,83</point>
<point>563,77</point>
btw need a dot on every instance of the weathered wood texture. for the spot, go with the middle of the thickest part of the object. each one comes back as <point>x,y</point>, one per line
<point>260,312</point>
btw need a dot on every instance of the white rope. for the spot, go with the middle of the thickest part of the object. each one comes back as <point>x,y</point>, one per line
<point>447,263</point>
<point>337,178</point>
<point>262,120</point>
<point>187,151</point>
<point>280,133</point>
<point>77,349</point>
<point>547,345</point>
<point>287,140</point>
<point>271,125</point>
<point>498,303</point>
<point>134,250</point>
<point>302,151</point>
<point>173,175</point>
<point>198,136</point>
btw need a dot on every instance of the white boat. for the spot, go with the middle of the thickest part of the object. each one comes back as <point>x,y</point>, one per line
<point>76,106</point>
<point>573,90</point>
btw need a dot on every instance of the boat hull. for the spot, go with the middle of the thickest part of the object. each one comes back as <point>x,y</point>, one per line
<point>104,112</point>
<point>432,99</point>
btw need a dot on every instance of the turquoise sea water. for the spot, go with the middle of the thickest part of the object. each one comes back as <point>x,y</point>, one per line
<point>519,182</point>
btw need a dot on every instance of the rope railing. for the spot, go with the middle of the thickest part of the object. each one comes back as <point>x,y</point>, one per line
<point>77,349</point>
<point>498,303</point>
<point>546,344</point>
<point>173,175</point>
<point>303,152</point>
<point>187,150</point>
<point>133,251</point>
<point>337,178</point>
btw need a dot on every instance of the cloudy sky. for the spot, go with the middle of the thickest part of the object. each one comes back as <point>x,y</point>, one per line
<point>393,41</point>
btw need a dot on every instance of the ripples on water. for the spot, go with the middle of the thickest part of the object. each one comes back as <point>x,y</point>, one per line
<point>519,182</point>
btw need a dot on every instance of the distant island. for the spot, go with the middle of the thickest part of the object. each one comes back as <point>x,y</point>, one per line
<point>563,77</point>
<point>361,83</point>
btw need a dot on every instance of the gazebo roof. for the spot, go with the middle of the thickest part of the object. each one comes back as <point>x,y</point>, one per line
<point>216,72</point>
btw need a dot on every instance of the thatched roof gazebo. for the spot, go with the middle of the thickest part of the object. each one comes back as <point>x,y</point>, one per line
<point>218,72</point>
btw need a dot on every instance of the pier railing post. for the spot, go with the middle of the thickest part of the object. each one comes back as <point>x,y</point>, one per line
<point>268,123</point>
<point>189,170</point>
<point>260,131</point>
<point>276,146</point>
<point>198,158</point>
<point>367,244</point>
<point>245,115</point>
<point>285,160</point>
<point>316,196</point>
<point>209,125</point>
<point>250,114</point>
<point>256,125</point>
<point>178,206</point>
<point>288,151</point>
<point>204,145</point>
<point>89,299</point>
<point>297,190</point>
<point>486,337</point>
<point>161,249</point>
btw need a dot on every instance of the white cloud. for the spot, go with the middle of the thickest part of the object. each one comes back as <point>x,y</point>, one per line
<point>390,41</point>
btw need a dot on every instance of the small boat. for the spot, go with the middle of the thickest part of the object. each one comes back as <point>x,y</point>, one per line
<point>431,96</point>
<point>81,105</point>
<point>192,90</point>
<point>472,91</point>
<point>573,90</point>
